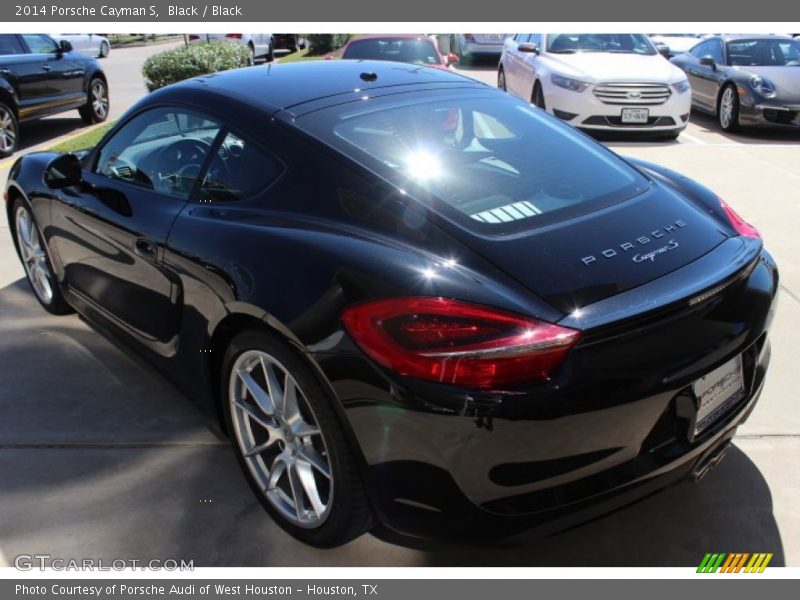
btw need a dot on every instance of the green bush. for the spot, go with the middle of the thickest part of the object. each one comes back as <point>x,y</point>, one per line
<point>182,63</point>
<point>325,42</point>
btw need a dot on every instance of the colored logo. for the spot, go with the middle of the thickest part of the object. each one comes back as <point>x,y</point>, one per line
<point>738,562</point>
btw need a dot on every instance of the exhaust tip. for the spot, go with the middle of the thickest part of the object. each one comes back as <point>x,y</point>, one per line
<point>710,460</point>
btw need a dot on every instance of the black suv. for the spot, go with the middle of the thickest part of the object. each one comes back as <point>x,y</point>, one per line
<point>40,77</point>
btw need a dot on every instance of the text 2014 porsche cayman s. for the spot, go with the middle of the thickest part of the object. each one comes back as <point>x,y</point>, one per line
<point>408,297</point>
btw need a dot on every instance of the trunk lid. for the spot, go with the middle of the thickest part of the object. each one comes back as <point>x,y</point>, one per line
<point>580,261</point>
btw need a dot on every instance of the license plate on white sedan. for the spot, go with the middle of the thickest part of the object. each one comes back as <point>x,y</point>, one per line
<point>635,115</point>
<point>717,392</point>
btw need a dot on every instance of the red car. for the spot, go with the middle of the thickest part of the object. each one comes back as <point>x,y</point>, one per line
<point>408,48</point>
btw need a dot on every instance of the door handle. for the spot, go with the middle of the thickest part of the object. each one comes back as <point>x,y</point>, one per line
<point>4,71</point>
<point>47,67</point>
<point>146,249</point>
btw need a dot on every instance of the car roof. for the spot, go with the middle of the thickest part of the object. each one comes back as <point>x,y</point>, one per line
<point>732,37</point>
<point>271,88</point>
<point>389,36</point>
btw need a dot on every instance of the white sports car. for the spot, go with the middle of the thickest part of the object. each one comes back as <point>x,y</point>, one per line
<point>598,81</point>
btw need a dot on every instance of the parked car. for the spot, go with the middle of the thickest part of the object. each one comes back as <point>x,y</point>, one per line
<point>41,77</point>
<point>597,81</point>
<point>745,80</point>
<point>408,48</point>
<point>443,308</point>
<point>92,44</point>
<point>675,43</point>
<point>288,41</point>
<point>468,46</point>
<point>261,45</point>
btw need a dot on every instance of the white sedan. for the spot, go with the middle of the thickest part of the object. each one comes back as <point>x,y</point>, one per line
<point>92,44</point>
<point>598,81</point>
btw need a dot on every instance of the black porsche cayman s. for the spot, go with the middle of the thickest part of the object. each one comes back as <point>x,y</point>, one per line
<point>408,297</point>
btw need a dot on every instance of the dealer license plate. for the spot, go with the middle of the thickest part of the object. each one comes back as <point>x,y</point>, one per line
<point>635,115</point>
<point>717,392</point>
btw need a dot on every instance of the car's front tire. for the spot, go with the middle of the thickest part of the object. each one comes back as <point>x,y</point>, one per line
<point>105,50</point>
<point>9,131</point>
<point>728,109</point>
<point>35,260</point>
<point>97,104</point>
<point>290,442</point>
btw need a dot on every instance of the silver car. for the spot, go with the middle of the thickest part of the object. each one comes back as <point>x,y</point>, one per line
<point>92,44</point>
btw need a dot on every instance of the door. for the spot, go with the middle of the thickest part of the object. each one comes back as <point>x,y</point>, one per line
<point>109,234</point>
<point>24,71</point>
<point>704,78</point>
<point>513,60</point>
<point>529,67</point>
<point>60,82</point>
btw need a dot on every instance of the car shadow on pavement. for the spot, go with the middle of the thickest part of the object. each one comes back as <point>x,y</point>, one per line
<point>746,135</point>
<point>101,457</point>
<point>40,131</point>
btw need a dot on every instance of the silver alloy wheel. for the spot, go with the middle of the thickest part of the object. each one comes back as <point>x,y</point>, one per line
<point>104,49</point>
<point>33,255</point>
<point>726,108</point>
<point>8,130</point>
<point>278,437</point>
<point>99,99</point>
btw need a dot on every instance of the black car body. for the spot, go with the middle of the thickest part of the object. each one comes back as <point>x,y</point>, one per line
<point>746,80</point>
<point>488,361</point>
<point>41,77</point>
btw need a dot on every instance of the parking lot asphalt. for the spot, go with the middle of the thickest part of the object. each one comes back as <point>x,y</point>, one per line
<point>99,457</point>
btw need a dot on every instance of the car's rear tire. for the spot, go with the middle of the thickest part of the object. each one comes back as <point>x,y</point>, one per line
<point>251,55</point>
<point>270,53</point>
<point>290,442</point>
<point>728,109</point>
<point>537,98</point>
<point>9,131</point>
<point>501,79</point>
<point>35,260</point>
<point>105,50</point>
<point>97,104</point>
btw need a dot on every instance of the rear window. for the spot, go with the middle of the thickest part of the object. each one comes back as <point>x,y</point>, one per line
<point>497,162</point>
<point>419,51</point>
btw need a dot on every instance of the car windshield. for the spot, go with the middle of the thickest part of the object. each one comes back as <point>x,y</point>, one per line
<point>764,53</point>
<point>622,43</point>
<point>417,51</point>
<point>497,161</point>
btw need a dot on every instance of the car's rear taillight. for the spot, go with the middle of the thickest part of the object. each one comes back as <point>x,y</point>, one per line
<point>234,36</point>
<point>457,343</point>
<point>741,226</point>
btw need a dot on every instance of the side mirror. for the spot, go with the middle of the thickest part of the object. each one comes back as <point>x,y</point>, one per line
<point>709,62</point>
<point>64,46</point>
<point>664,51</point>
<point>452,58</point>
<point>63,171</point>
<point>528,48</point>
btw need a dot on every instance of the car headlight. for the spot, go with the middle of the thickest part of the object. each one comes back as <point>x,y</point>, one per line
<point>568,83</point>
<point>762,86</point>
<point>681,86</point>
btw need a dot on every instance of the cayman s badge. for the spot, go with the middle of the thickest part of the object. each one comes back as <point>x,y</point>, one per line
<point>642,240</point>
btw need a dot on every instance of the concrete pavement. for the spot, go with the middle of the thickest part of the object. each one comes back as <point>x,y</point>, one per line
<point>100,457</point>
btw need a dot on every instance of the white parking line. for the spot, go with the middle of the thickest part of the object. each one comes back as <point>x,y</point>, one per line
<point>694,140</point>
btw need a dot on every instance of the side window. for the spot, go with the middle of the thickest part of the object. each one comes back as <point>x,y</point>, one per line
<point>238,170</point>
<point>39,43</point>
<point>522,38</point>
<point>535,38</point>
<point>715,50</point>
<point>162,150</point>
<point>9,44</point>
<point>700,50</point>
